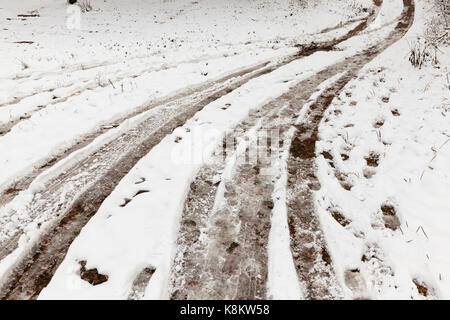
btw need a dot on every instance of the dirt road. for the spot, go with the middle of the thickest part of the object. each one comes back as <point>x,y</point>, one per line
<point>230,259</point>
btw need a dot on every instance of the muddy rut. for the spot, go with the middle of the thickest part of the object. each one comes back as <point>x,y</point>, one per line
<point>226,221</point>
<point>22,183</point>
<point>223,238</point>
<point>71,198</point>
<point>214,208</point>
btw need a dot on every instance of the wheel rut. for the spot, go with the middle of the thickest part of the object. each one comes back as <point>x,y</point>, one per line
<point>71,198</point>
<point>91,180</point>
<point>22,183</point>
<point>223,237</point>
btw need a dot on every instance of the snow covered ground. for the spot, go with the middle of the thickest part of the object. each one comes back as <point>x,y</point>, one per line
<point>384,163</point>
<point>383,155</point>
<point>65,85</point>
<point>113,33</point>
<point>153,235</point>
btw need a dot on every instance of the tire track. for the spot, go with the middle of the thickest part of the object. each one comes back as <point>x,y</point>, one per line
<point>94,84</point>
<point>22,183</point>
<point>231,274</point>
<point>88,85</point>
<point>308,244</point>
<point>222,244</point>
<point>75,195</point>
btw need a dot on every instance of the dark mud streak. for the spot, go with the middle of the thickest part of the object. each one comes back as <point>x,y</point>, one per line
<point>231,263</point>
<point>308,246</point>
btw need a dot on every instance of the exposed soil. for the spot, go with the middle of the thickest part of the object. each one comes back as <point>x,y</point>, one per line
<point>423,290</point>
<point>373,159</point>
<point>92,276</point>
<point>390,217</point>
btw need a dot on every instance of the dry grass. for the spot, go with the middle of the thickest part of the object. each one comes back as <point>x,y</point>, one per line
<point>426,48</point>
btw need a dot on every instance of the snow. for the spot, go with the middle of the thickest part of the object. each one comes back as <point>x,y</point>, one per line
<point>84,113</point>
<point>412,175</point>
<point>390,10</point>
<point>134,236</point>
<point>82,93</point>
<point>112,32</point>
<point>283,283</point>
<point>122,59</point>
<point>153,233</point>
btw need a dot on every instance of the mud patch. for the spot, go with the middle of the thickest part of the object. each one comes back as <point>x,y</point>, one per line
<point>373,159</point>
<point>390,217</point>
<point>339,217</point>
<point>330,160</point>
<point>378,124</point>
<point>421,287</point>
<point>91,275</point>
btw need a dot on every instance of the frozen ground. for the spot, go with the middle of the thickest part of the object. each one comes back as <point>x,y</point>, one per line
<point>115,33</point>
<point>71,100</point>
<point>383,163</point>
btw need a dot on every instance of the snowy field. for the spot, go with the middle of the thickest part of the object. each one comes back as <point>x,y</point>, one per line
<point>173,30</point>
<point>381,158</point>
<point>384,157</point>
